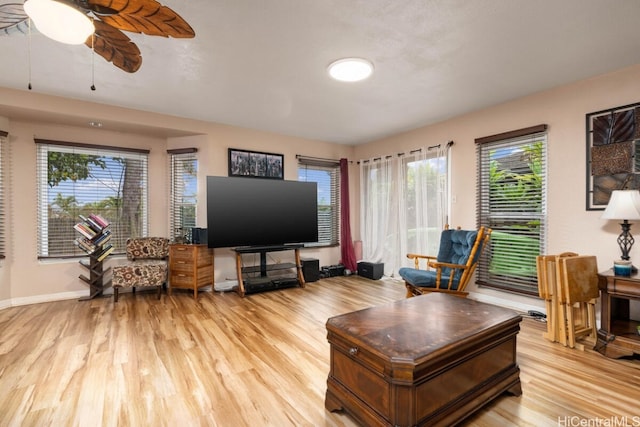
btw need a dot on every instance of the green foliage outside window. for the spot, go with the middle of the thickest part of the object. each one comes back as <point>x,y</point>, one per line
<point>77,184</point>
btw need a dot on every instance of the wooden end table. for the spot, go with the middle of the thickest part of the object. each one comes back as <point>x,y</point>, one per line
<point>618,333</point>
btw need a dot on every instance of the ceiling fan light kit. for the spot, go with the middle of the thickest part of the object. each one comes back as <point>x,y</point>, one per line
<point>59,21</point>
<point>98,24</point>
<point>350,69</point>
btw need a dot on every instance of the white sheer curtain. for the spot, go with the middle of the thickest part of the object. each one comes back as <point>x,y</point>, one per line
<point>378,219</point>
<point>403,206</point>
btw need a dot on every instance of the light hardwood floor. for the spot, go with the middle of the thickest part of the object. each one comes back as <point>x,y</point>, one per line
<point>261,360</point>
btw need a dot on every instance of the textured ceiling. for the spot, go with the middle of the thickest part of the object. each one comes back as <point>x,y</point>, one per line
<point>262,65</point>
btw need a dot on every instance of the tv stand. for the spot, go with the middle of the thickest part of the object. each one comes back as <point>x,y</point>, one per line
<point>262,282</point>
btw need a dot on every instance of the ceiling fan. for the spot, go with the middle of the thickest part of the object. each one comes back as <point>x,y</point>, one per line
<point>108,20</point>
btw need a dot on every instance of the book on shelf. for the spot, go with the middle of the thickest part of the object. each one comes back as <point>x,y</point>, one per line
<point>99,220</point>
<point>91,223</point>
<point>85,230</point>
<point>105,252</point>
<point>85,244</point>
<point>102,238</point>
<point>95,235</point>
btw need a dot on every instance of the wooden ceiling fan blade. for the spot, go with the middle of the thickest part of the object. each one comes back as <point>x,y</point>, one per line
<point>142,16</point>
<point>13,19</point>
<point>114,46</point>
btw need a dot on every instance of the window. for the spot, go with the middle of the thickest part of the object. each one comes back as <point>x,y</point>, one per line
<point>512,201</point>
<point>80,179</point>
<point>326,173</point>
<point>403,205</point>
<point>3,142</point>
<point>423,204</point>
<point>183,170</point>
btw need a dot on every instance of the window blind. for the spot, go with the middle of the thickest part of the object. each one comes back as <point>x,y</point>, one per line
<point>511,195</point>
<point>80,179</point>
<point>326,173</point>
<point>183,169</point>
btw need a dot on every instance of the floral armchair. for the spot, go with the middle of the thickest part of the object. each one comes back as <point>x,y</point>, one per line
<point>146,265</point>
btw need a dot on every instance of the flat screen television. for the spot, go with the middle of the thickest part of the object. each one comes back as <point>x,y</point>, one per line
<point>260,212</point>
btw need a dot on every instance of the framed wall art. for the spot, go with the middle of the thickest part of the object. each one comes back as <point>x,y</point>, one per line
<point>613,153</point>
<point>255,164</point>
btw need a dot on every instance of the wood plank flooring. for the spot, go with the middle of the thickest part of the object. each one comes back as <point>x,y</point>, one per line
<point>261,360</point>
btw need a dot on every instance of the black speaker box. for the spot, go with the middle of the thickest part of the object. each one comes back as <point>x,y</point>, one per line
<point>333,270</point>
<point>310,269</point>
<point>371,270</point>
<point>199,236</point>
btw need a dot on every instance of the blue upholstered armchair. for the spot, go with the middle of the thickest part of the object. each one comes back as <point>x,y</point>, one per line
<point>451,270</point>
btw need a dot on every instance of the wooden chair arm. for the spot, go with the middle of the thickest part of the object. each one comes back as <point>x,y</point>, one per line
<point>416,259</point>
<point>436,264</point>
<point>412,256</point>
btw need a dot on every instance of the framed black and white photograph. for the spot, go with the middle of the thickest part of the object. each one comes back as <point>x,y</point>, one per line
<point>255,164</point>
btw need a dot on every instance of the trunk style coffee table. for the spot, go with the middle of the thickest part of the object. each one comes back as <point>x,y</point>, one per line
<point>429,360</point>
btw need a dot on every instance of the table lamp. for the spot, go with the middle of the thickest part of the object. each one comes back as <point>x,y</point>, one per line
<point>624,205</point>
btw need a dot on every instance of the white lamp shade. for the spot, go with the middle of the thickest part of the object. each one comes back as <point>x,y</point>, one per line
<point>59,21</point>
<point>623,204</point>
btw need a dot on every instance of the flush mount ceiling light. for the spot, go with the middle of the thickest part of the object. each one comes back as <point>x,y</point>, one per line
<point>59,21</point>
<point>350,69</point>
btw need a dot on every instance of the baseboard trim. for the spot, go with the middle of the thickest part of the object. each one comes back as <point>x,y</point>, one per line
<point>521,307</point>
<point>225,286</point>
<point>37,299</point>
<point>505,302</point>
<point>228,285</point>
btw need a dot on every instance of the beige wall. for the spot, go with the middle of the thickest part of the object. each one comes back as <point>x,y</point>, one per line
<point>30,278</point>
<point>570,225</point>
<point>212,152</point>
<point>5,277</point>
<point>24,279</point>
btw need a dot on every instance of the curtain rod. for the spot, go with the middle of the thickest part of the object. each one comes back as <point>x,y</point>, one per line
<point>182,150</point>
<point>300,156</point>
<point>318,161</point>
<point>417,150</point>
<point>90,146</point>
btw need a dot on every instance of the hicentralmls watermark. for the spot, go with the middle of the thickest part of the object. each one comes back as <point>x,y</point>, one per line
<point>576,421</point>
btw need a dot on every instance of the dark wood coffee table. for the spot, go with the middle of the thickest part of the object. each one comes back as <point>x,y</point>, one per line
<point>428,360</point>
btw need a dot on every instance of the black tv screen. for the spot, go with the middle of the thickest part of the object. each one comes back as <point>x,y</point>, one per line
<point>260,212</point>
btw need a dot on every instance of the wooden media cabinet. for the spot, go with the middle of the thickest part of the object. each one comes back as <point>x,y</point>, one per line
<point>190,267</point>
<point>256,278</point>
